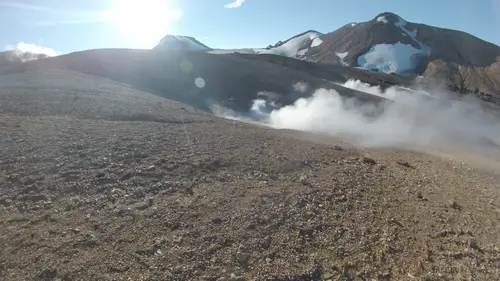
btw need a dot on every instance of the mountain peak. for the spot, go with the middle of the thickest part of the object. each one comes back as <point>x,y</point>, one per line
<point>388,17</point>
<point>180,43</point>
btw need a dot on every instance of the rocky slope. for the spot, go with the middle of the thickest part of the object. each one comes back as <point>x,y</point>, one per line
<point>103,182</point>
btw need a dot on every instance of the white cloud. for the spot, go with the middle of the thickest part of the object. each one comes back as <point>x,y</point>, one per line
<point>235,4</point>
<point>26,52</point>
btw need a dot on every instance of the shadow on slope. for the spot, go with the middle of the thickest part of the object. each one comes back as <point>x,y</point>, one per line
<point>192,78</point>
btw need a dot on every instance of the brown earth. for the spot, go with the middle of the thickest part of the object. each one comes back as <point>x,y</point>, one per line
<point>103,182</point>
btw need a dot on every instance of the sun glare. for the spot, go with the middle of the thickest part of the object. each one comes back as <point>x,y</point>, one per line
<point>144,21</point>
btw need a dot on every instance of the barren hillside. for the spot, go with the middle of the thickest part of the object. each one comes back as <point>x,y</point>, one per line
<point>103,182</point>
<point>195,78</point>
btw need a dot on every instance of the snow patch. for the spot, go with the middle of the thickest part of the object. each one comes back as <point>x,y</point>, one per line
<point>341,57</point>
<point>401,23</point>
<point>295,47</point>
<point>395,58</point>
<point>316,42</point>
<point>353,24</point>
<point>232,51</point>
<point>413,34</point>
<point>302,52</point>
<point>390,58</point>
<point>382,19</point>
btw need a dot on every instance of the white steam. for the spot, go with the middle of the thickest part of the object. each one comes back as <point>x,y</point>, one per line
<point>27,52</point>
<point>408,118</point>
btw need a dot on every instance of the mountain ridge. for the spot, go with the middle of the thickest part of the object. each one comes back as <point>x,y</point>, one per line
<point>388,43</point>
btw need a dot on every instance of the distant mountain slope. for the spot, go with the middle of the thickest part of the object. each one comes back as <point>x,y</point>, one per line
<point>196,78</point>
<point>180,43</point>
<point>295,47</point>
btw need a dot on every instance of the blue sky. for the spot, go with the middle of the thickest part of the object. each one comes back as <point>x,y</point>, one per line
<point>67,26</point>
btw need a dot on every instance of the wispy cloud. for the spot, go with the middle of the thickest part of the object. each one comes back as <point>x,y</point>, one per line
<point>62,16</point>
<point>77,16</point>
<point>68,22</point>
<point>235,4</point>
<point>42,8</point>
<point>27,7</point>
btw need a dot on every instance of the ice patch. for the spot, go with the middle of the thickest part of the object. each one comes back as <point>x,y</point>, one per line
<point>390,58</point>
<point>382,19</point>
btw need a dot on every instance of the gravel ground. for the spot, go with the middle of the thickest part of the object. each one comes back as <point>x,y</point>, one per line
<point>102,182</point>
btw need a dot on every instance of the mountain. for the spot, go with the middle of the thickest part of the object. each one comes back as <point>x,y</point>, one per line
<point>390,44</point>
<point>180,43</point>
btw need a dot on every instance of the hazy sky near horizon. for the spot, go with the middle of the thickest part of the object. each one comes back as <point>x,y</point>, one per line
<point>67,26</point>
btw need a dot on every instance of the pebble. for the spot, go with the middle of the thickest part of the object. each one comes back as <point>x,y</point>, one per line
<point>419,195</point>
<point>369,160</point>
<point>243,257</point>
<point>403,163</point>
<point>453,204</point>
<point>303,180</point>
<point>472,243</point>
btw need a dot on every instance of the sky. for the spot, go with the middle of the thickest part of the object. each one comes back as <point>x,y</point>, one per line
<point>62,26</point>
